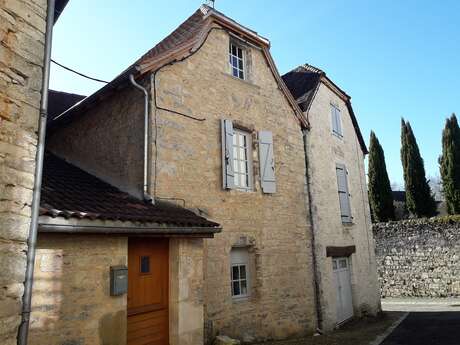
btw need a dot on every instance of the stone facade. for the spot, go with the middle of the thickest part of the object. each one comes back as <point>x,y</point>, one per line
<point>71,295</point>
<point>324,151</point>
<point>71,302</point>
<point>418,258</point>
<point>22,36</point>
<point>275,227</point>
<point>107,140</point>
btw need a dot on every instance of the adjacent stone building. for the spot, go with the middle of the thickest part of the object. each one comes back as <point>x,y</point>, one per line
<point>22,36</point>
<point>344,246</point>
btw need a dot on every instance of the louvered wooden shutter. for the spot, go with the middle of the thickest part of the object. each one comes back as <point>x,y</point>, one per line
<point>227,154</point>
<point>344,197</point>
<point>336,121</point>
<point>267,162</point>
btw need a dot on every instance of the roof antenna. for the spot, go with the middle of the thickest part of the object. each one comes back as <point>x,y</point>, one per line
<point>210,3</point>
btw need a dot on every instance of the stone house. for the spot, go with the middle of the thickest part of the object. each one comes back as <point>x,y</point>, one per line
<point>222,139</point>
<point>22,62</point>
<point>341,223</point>
<point>201,126</point>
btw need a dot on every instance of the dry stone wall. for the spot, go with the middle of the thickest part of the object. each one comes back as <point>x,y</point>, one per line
<point>22,35</point>
<point>418,258</point>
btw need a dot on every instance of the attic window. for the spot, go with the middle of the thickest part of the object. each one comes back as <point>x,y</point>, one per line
<point>236,56</point>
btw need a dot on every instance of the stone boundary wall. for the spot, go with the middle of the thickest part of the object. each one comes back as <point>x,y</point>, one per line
<point>419,258</point>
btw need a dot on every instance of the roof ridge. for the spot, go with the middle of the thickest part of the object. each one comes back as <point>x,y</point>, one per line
<point>312,68</point>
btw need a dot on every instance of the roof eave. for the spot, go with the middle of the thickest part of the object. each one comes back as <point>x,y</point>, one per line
<point>169,231</point>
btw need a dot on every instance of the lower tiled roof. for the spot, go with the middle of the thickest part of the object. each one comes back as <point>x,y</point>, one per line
<point>70,192</point>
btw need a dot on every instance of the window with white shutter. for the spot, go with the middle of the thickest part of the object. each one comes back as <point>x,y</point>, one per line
<point>344,196</point>
<point>336,121</point>
<point>267,162</point>
<point>242,163</point>
<point>236,157</point>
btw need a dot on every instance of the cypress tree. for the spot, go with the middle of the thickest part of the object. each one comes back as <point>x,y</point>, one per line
<point>419,200</point>
<point>380,196</point>
<point>449,164</point>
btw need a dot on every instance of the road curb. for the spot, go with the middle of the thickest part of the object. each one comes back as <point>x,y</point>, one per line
<point>381,338</point>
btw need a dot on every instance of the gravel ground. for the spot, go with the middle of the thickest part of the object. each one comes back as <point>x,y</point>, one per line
<point>357,332</point>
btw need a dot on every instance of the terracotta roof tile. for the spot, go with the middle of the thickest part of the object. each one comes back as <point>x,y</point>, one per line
<point>70,192</point>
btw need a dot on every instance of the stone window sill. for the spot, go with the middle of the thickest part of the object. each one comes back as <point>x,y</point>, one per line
<point>244,81</point>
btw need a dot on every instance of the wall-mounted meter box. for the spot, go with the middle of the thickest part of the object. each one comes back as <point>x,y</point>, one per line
<point>118,280</point>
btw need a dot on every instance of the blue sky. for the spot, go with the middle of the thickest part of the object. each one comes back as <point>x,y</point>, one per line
<point>395,58</point>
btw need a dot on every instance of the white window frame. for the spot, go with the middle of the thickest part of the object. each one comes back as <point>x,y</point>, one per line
<point>336,116</point>
<point>239,257</point>
<point>241,61</point>
<point>238,159</point>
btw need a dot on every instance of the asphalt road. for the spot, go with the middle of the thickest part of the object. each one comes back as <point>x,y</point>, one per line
<point>427,328</point>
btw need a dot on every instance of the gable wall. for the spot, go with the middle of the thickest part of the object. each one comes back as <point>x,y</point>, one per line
<point>325,150</point>
<point>188,166</point>
<point>107,140</point>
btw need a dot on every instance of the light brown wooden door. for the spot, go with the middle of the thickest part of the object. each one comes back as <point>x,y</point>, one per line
<point>148,285</point>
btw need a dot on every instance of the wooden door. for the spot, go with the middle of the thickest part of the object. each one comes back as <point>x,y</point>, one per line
<point>148,289</point>
<point>342,280</point>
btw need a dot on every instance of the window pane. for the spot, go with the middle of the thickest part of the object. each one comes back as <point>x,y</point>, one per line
<point>241,75</point>
<point>233,49</point>
<point>334,264</point>
<point>244,288</point>
<point>236,288</point>
<point>235,273</point>
<point>235,152</point>
<point>242,168</point>
<point>241,180</point>
<point>242,272</point>
<point>242,153</point>
<point>343,263</point>
<point>145,264</point>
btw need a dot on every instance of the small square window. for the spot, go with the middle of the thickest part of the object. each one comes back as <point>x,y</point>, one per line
<point>239,272</point>
<point>145,264</point>
<point>236,60</point>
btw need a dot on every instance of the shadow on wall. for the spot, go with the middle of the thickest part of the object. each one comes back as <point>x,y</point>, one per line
<point>71,301</point>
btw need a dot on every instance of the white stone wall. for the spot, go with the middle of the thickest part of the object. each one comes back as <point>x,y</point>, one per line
<point>325,150</point>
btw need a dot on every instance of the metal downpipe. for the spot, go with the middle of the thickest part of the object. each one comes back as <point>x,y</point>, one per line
<point>147,197</point>
<point>316,286</point>
<point>23,331</point>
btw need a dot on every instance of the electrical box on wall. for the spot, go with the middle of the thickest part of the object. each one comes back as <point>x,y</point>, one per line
<point>118,280</point>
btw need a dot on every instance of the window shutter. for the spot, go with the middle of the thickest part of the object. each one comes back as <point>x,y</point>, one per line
<point>344,197</point>
<point>334,119</point>
<point>227,154</point>
<point>267,162</point>
<point>338,121</point>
